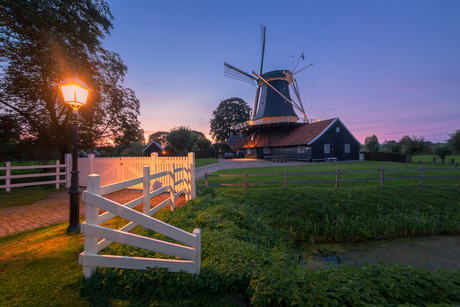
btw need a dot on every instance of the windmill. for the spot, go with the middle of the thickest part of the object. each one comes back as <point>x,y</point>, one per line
<point>273,102</point>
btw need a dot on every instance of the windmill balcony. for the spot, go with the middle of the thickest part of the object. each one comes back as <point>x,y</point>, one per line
<point>274,121</point>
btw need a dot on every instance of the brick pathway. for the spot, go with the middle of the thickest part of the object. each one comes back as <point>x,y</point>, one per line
<point>55,209</point>
<point>52,210</point>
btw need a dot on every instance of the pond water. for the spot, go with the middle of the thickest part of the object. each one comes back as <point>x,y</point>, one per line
<point>430,253</point>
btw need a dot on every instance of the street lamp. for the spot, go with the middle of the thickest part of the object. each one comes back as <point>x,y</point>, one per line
<point>75,93</point>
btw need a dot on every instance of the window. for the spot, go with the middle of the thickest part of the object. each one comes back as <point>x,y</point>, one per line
<point>347,148</point>
<point>266,151</point>
<point>301,149</point>
<point>327,148</point>
<point>337,129</point>
<point>308,149</point>
<point>248,151</point>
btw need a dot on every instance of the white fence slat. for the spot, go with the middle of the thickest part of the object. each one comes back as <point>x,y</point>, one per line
<point>120,185</point>
<point>159,206</point>
<point>34,175</point>
<point>140,241</point>
<point>104,243</point>
<point>104,217</point>
<point>136,263</point>
<point>158,175</point>
<point>141,219</point>
<point>159,191</point>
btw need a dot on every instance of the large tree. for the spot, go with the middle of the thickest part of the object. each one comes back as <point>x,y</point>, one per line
<point>371,143</point>
<point>181,139</point>
<point>454,140</point>
<point>46,41</point>
<point>230,112</point>
<point>412,145</point>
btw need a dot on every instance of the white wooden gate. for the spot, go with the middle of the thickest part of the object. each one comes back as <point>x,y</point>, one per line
<point>93,196</point>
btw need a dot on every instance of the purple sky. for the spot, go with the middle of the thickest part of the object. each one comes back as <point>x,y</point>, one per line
<point>387,68</point>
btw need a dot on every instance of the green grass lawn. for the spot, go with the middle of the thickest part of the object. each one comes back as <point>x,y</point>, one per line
<point>248,242</point>
<point>24,196</point>
<point>205,161</point>
<point>410,170</point>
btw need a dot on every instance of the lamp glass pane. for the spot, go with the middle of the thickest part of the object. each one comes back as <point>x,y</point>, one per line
<point>74,94</point>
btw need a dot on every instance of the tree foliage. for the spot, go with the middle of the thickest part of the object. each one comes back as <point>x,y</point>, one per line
<point>230,112</point>
<point>371,143</point>
<point>442,151</point>
<point>181,139</point>
<point>412,145</point>
<point>454,140</point>
<point>158,137</point>
<point>46,41</point>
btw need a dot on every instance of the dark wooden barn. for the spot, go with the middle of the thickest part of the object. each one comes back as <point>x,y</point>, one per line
<point>327,140</point>
<point>166,151</point>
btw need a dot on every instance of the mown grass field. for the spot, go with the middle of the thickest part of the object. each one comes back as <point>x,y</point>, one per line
<point>373,169</point>
<point>205,161</point>
<point>248,238</point>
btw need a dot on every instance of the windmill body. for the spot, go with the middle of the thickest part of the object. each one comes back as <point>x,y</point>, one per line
<point>271,104</point>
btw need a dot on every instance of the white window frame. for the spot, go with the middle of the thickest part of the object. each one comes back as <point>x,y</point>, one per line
<point>308,149</point>
<point>337,129</point>
<point>300,149</point>
<point>347,148</point>
<point>327,148</point>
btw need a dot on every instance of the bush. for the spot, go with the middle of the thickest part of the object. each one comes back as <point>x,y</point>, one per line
<point>247,241</point>
<point>384,156</point>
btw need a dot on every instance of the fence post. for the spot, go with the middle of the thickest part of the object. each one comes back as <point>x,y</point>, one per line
<point>382,177</point>
<point>172,184</point>
<point>92,216</point>
<point>8,176</point>
<point>91,163</point>
<point>421,175</point>
<point>58,177</point>
<point>285,179</point>
<point>191,166</point>
<point>337,179</point>
<point>197,233</point>
<point>146,190</point>
<point>245,181</point>
<point>68,167</point>
<point>206,179</point>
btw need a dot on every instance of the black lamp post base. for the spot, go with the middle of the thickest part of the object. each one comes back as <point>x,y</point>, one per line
<point>73,228</point>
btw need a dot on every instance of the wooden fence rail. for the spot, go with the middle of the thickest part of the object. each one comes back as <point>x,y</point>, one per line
<point>338,173</point>
<point>57,175</point>
<point>93,231</point>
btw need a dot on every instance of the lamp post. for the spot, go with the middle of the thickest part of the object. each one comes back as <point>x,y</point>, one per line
<point>75,93</point>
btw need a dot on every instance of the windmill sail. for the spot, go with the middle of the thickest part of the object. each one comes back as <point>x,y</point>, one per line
<point>235,73</point>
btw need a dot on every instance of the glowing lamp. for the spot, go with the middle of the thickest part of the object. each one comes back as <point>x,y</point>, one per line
<point>75,92</point>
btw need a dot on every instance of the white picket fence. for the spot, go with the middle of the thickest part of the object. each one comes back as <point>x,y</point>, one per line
<point>120,169</point>
<point>57,174</point>
<point>93,196</point>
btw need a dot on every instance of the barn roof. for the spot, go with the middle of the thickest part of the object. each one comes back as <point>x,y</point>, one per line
<point>304,134</point>
<point>154,144</point>
<point>299,135</point>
